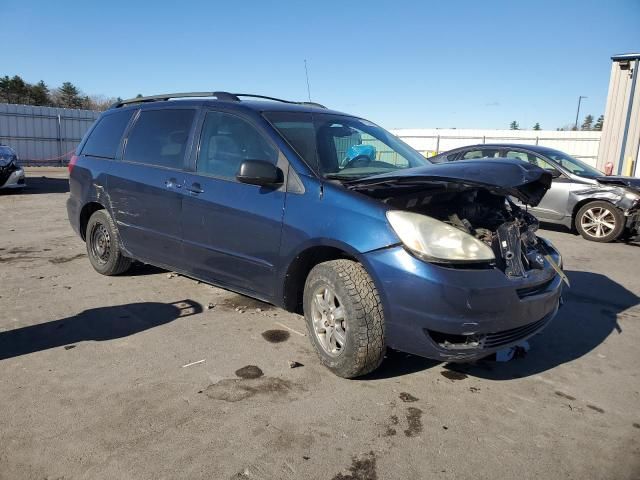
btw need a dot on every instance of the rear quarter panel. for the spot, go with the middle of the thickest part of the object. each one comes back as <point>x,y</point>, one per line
<point>87,183</point>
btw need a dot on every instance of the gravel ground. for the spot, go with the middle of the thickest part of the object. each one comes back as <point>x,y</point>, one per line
<point>153,375</point>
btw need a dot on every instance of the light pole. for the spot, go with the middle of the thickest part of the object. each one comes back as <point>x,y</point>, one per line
<point>578,112</point>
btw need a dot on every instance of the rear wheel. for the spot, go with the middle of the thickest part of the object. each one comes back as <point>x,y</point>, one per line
<point>103,245</point>
<point>344,318</point>
<point>600,222</point>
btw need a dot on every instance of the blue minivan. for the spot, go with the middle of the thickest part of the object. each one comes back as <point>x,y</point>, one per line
<point>324,214</point>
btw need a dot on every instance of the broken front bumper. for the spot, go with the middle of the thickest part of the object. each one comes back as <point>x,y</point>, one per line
<point>13,179</point>
<point>633,222</point>
<point>460,314</point>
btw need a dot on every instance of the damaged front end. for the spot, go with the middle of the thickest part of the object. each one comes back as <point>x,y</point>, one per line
<point>11,175</point>
<point>623,192</point>
<point>474,198</point>
<point>471,276</point>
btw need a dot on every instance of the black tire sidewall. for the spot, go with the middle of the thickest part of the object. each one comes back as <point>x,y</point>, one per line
<point>111,266</point>
<point>349,363</point>
<point>619,218</point>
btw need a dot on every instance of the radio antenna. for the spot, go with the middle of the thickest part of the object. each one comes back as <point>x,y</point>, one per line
<point>306,72</point>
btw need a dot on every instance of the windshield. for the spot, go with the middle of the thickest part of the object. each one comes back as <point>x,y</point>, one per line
<point>342,147</point>
<point>5,150</point>
<point>573,165</point>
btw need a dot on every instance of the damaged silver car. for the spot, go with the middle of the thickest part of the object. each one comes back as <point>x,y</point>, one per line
<point>601,208</point>
<point>11,174</point>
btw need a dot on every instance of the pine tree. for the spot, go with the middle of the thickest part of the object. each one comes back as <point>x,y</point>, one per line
<point>588,123</point>
<point>16,90</point>
<point>69,96</point>
<point>40,94</point>
<point>599,123</point>
<point>514,126</point>
<point>537,126</point>
<point>4,89</point>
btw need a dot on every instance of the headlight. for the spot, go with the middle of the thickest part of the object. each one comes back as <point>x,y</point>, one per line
<point>4,161</point>
<point>437,241</point>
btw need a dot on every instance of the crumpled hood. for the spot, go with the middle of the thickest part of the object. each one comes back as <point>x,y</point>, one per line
<point>525,181</point>
<point>629,182</point>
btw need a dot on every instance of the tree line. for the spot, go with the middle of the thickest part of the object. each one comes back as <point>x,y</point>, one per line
<point>587,125</point>
<point>16,90</point>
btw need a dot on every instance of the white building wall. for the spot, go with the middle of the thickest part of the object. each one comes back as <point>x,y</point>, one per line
<point>582,145</point>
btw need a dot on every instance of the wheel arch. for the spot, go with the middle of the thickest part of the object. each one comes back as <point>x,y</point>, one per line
<point>582,203</point>
<point>299,267</point>
<point>85,214</point>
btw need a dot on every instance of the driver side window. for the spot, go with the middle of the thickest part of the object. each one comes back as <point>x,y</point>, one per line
<point>226,142</point>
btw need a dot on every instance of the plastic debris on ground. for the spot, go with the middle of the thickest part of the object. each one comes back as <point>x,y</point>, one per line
<point>517,351</point>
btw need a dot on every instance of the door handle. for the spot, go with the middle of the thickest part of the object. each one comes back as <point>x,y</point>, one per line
<point>195,188</point>
<point>172,183</point>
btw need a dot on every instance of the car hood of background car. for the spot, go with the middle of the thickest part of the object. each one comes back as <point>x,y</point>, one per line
<point>525,181</point>
<point>630,182</point>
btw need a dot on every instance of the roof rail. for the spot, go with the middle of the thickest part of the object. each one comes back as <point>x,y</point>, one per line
<point>251,95</point>
<point>226,96</point>
<point>156,98</point>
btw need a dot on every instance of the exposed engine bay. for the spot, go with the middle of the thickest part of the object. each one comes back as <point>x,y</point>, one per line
<point>494,219</point>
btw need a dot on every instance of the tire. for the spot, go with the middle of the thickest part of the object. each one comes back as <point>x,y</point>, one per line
<point>599,222</point>
<point>361,329</point>
<point>103,245</point>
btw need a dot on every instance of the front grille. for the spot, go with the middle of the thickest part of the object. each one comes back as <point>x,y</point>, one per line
<point>493,340</point>
<point>488,340</point>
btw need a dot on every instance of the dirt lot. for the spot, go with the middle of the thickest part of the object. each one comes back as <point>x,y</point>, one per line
<point>136,377</point>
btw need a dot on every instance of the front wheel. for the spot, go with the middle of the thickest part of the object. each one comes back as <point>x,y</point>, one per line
<point>344,318</point>
<point>103,245</point>
<point>600,222</point>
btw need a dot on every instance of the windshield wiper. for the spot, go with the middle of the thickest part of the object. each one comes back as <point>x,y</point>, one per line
<point>333,176</point>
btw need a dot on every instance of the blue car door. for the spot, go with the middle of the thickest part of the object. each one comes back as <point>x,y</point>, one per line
<point>231,230</point>
<point>145,187</point>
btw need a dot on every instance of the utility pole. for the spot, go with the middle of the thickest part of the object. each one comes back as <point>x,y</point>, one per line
<point>578,112</point>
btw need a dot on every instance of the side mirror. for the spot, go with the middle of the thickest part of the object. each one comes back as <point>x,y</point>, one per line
<point>555,173</point>
<point>259,172</point>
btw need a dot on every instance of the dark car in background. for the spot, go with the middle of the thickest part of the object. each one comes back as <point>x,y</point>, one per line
<point>320,213</point>
<point>11,174</point>
<point>601,208</point>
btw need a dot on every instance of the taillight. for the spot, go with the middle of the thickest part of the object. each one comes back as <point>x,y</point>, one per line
<point>72,162</point>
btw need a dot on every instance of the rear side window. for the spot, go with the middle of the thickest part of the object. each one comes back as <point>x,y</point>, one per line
<point>159,137</point>
<point>104,139</point>
<point>482,153</point>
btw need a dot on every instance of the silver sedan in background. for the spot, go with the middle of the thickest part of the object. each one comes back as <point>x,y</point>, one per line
<point>601,208</point>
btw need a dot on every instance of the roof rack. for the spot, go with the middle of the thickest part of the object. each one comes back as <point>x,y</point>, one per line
<point>226,96</point>
<point>251,95</point>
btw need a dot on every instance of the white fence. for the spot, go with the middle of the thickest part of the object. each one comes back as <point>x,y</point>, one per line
<point>583,145</point>
<point>43,135</point>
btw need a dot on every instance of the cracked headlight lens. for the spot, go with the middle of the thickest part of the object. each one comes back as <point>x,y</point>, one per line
<point>437,241</point>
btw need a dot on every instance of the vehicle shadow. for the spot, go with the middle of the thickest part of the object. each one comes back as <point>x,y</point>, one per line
<point>37,185</point>
<point>95,324</point>
<point>142,269</point>
<point>554,227</point>
<point>588,316</point>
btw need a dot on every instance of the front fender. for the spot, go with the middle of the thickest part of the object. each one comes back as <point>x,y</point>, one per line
<point>613,194</point>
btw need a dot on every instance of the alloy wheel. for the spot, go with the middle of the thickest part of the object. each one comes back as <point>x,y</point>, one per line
<point>329,321</point>
<point>598,222</point>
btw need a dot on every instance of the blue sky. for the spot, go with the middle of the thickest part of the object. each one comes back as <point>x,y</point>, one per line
<point>464,64</point>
